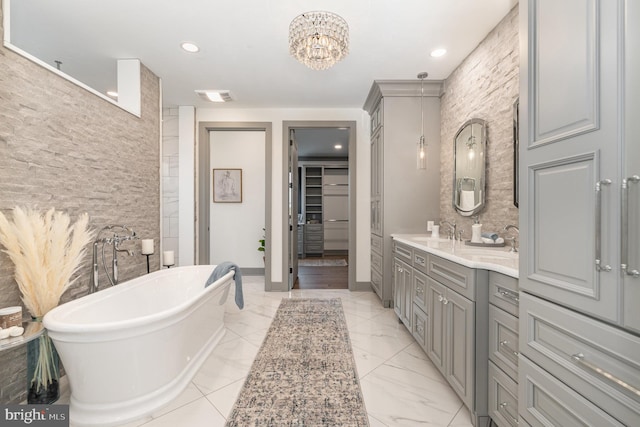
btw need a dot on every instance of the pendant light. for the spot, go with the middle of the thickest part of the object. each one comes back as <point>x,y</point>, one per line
<point>421,155</point>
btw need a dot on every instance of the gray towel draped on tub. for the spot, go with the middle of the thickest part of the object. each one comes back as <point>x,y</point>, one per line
<point>222,269</point>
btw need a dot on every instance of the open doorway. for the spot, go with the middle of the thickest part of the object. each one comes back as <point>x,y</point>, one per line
<point>321,204</point>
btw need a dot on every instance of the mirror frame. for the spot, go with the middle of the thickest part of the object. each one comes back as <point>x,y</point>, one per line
<point>483,143</point>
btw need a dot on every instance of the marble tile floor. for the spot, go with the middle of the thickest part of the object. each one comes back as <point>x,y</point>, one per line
<point>400,385</point>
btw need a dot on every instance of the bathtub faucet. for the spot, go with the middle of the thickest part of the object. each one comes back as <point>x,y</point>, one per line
<point>115,240</point>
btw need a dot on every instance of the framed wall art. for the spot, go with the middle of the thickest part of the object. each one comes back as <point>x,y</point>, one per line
<point>227,185</point>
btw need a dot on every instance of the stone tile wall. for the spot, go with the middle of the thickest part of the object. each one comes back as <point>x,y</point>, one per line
<point>63,147</point>
<point>484,86</point>
<point>170,181</point>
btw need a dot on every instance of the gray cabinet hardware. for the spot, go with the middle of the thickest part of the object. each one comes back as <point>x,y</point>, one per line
<point>504,411</point>
<point>505,344</point>
<point>508,294</point>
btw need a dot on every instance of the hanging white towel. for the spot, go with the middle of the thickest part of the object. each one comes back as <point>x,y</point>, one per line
<point>467,200</point>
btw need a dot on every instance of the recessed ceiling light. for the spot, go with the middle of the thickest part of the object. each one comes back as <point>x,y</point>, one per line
<point>112,93</point>
<point>338,146</point>
<point>438,53</point>
<point>215,95</point>
<point>190,47</point>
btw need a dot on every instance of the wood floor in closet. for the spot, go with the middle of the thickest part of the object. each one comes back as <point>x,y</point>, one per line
<point>323,277</point>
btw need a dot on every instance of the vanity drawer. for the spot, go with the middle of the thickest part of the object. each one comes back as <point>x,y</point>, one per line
<point>403,252</point>
<point>455,276</point>
<point>503,341</point>
<point>598,360</point>
<point>545,401</point>
<point>419,324</point>
<point>504,292</point>
<point>503,398</point>
<point>419,290</point>
<point>376,262</point>
<point>420,260</point>
<point>376,243</point>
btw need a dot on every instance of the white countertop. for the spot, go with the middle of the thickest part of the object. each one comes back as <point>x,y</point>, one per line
<point>486,258</point>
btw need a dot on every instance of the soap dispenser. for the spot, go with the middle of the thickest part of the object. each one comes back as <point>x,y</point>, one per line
<point>476,231</point>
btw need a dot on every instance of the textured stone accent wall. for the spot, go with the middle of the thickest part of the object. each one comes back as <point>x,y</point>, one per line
<point>170,182</point>
<point>63,147</point>
<point>484,86</point>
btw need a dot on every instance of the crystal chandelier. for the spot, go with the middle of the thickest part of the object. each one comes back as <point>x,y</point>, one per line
<point>318,39</point>
<point>422,145</point>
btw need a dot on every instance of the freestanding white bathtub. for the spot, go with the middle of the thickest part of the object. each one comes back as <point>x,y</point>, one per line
<point>134,347</point>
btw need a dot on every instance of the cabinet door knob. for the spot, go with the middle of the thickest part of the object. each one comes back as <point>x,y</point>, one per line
<point>445,302</point>
<point>440,298</point>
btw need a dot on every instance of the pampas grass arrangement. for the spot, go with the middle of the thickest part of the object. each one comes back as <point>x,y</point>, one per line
<point>46,250</point>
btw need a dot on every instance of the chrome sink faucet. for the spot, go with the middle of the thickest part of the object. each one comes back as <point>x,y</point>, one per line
<point>452,228</point>
<point>512,238</point>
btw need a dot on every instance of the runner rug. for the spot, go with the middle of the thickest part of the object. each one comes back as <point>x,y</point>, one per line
<point>304,373</point>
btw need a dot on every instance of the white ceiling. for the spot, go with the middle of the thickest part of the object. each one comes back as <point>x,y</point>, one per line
<point>244,44</point>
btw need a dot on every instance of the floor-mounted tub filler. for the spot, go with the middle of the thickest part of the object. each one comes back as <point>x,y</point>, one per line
<point>130,349</point>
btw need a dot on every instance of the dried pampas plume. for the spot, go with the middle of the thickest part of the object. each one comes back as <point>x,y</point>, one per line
<point>46,250</point>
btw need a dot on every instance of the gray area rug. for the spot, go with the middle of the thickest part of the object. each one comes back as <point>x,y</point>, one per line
<point>320,262</point>
<point>304,373</point>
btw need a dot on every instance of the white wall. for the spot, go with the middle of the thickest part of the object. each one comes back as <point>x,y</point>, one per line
<point>186,156</point>
<point>276,117</point>
<point>236,227</point>
<point>170,184</point>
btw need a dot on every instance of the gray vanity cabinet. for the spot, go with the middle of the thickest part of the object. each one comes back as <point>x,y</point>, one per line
<point>579,213</point>
<point>403,198</point>
<point>402,276</point>
<point>456,339</point>
<point>504,300</point>
<point>450,338</point>
<point>436,334</point>
<point>402,283</point>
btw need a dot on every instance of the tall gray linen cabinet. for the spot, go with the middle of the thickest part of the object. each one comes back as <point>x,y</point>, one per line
<point>403,197</point>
